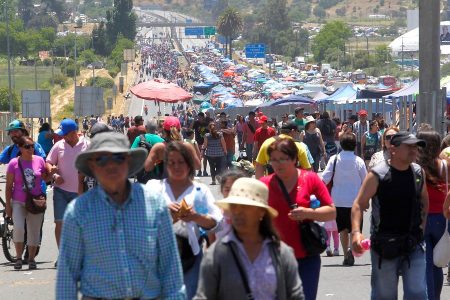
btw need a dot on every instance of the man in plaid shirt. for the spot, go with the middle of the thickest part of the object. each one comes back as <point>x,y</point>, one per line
<point>117,240</point>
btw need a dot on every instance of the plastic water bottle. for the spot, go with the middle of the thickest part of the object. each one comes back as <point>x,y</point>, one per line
<point>314,202</point>
<point>365,244</point>
<point>200,204</point>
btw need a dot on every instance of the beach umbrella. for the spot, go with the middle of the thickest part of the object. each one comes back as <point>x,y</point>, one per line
<point>160,90</point>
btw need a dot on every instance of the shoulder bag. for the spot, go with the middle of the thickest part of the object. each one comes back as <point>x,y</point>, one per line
<point>248,292</point>
<point>313,236</point>
<point>441,252</point>
<point>330,184</point>
<point>35,204</point>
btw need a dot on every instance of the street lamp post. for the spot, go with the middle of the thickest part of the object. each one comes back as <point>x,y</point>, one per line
<point>9,60</point>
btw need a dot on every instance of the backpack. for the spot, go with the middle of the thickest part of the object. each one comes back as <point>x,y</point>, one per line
<point>326,127</point>
<point>143,176</point>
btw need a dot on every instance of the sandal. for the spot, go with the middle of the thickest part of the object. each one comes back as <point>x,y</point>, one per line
<point>32,265</point>
<point>18,264</point>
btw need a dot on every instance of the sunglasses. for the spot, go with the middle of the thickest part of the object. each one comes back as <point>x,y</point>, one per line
<point>388,137</point>
<point>103,160</point>
<point>28,146</point>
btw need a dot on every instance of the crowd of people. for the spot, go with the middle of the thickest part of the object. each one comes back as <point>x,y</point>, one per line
<point>177,241</point>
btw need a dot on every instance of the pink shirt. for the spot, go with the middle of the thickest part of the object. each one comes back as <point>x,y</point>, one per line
<point>32,170</point>
<point>63,156</point>
<point>249,135</point>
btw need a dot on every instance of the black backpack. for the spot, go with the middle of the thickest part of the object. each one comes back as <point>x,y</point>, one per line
<point>142,176</point>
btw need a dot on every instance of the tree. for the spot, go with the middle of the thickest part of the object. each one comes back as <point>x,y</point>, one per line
<point>121,20</point>
<point>54,6</point>
<point>4,100</point>
<point>229,24</point>
<point>333,35</point>
<point>99,41</point>
<point>382,55</point>
<point>25,10</point>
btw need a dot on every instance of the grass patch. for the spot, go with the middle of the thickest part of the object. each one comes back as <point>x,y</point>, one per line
<point>65,112</point>
<point>24,77</point>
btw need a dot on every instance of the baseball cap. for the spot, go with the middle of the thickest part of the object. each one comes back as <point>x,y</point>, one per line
<point>66,126</point>
<point>262,120</point>
<point>289,125</point>
<point>362,112</point>
<point>16,124</point>
<point>404,137</point>
<point>171,122</point>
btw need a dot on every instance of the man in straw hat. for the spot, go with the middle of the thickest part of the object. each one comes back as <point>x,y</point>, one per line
<point>117,240</point>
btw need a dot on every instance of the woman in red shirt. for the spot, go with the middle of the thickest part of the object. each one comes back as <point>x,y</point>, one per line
<point>437,172</point>
<point>300,184</point>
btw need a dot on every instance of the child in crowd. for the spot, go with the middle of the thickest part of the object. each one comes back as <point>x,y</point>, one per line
<point>332,231</point>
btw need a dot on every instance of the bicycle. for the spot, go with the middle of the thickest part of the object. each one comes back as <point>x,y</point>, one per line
<point>6,232</point>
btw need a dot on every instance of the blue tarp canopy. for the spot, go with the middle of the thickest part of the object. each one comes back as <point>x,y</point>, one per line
<point>208,75</point>
<point>346,92</point>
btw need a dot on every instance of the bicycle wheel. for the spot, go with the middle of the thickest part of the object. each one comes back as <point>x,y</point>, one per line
<point>7,242</point>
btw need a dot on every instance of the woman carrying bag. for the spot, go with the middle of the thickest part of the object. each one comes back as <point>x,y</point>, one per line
<point>250,261</point>
<point>26,169</point>
<point>296,210</point>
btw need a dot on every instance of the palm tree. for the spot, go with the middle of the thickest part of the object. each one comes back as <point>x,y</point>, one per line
<point>229,24</point>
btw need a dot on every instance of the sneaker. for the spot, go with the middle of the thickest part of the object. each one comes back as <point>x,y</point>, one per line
<point>199,174</point>
<point>32,265</point>
<point>329,252</point>
<point>350,258</point>
<point>336,252</point>
<point>205,174</point>
<point>18,264</point>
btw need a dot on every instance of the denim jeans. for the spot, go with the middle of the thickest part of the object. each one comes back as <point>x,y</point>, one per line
<point>309,271</point>
<point>435,276</point>
<point>229,159</point>
<point>384,280</point>
<point>191,277</point>
<point>249,151</point>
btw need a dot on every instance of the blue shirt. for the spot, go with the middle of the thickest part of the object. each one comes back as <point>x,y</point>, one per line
<point>119,251</point>
<point>7,155</point>
<point>46,143</point>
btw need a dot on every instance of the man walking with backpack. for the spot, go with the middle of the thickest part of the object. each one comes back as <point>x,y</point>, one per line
<point>147,141</point>
<point>328,129</point>
<point>399,209</point>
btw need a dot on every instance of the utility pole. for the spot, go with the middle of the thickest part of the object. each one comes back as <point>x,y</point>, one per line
<point>402,53</point>
<point>429,104</point>
<point>75,59</point>
<point>9,60</point>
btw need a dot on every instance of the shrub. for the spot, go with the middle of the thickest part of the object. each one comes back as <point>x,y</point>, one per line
<point>104,82</point>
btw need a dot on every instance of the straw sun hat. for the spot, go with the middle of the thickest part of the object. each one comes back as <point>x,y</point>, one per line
<point>248,191</point>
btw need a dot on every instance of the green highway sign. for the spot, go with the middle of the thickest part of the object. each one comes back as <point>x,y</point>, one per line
<point>210,30</point>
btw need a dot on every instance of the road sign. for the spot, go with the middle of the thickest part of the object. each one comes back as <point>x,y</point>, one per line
<point>88,101</point>
<point>109,103</point>
<point>36,104</point>
<point>129,54</point>
<point>269,59</point>
<point>255,50</point>
<point>123,69</point>
<point>193,31</point>
<point>210,30</point>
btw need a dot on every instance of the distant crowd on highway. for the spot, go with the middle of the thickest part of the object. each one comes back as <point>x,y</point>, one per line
<point>132,220</point>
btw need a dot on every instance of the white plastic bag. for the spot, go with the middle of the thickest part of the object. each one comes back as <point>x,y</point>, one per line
<point>441,252</point>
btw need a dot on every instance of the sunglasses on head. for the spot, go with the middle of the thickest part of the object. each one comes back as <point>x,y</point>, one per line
<point>28,146</point>
<point>103,160</point>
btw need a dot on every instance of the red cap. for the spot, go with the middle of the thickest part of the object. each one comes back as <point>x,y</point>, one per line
<point>262,119</point>
<point>171,122</point>
<point>362,112</point>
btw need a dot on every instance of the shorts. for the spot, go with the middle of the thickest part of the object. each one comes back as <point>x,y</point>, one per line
<point>61,199</point>
<point>344,219</point>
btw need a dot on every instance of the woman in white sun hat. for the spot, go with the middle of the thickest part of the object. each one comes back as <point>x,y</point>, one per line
<point>250,262</point>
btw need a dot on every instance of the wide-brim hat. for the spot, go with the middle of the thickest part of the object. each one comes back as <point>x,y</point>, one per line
<point>111,142</point>
<point>309,119</point>
<point>248,191</point>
